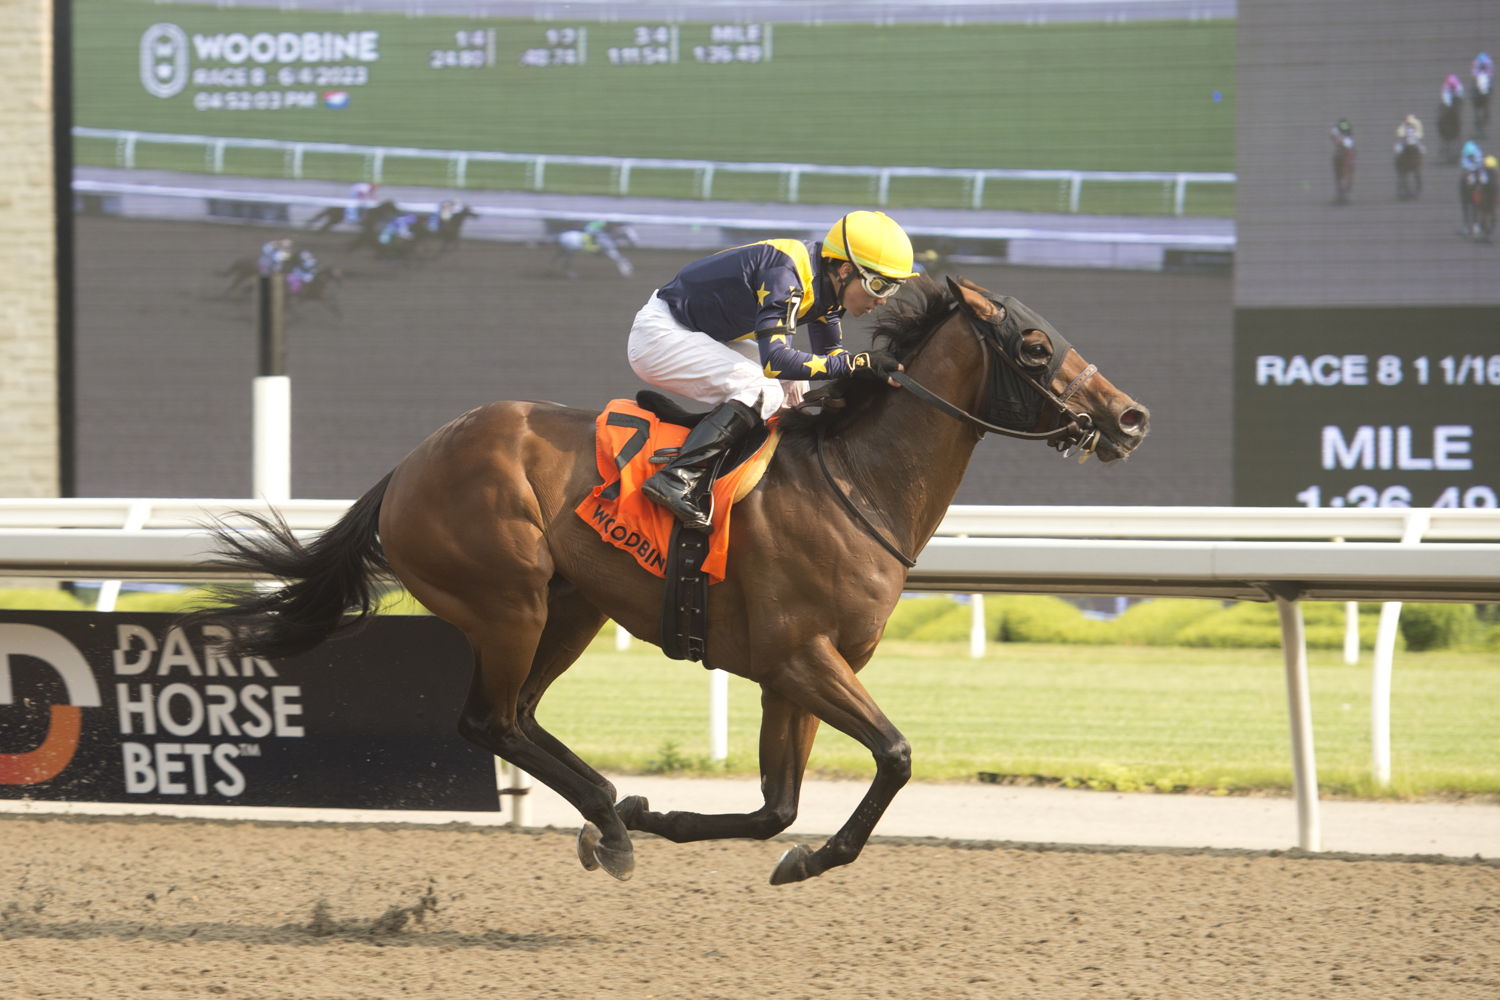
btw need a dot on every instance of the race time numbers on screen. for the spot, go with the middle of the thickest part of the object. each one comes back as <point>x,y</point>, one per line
<point>649,45</point>
<point>1367,407</point>
<point>472,48</point>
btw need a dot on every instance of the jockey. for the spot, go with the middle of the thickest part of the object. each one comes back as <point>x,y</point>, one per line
<point>1453,90</point>
<point>274,255</point>
<point>1472,157</point>
<point>721,332</point>
<point>1483,72</point>
<point>304,269</point>
<point>399,228</point>
<point>1342,134</point>
<point>1409,132</point>
<point>363,196</point>
<point>440,215</point>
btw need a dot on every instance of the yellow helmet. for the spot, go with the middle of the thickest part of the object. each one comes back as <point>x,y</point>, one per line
<point>1491,162</point>
<point>875,243</point>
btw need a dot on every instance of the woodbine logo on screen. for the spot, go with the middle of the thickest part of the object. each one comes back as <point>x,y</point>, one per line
<point>185,716</point>
<point>260,71</point>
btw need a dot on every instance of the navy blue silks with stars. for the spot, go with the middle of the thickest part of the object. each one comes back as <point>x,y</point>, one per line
<point>765,290</point>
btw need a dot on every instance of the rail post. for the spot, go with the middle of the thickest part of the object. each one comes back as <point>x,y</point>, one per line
<point>977,636</point>
<point>718,715</point>
<point>272,397</point>
<point>1417,521</point>
<point>518,791</point>
<point>1299,713</point>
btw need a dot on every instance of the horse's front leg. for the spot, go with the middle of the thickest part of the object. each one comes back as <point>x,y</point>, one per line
<point>823,683</point>
<point>786,739</point>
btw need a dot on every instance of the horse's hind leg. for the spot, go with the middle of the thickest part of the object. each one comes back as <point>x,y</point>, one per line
<point>786,739</point>
<point>504,652</point>
<point>572,623</point>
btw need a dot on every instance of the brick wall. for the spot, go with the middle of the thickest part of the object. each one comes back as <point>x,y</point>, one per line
<point>28,321</point>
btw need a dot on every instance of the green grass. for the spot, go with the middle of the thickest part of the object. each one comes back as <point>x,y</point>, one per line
<point>1122,717</point>
<point>1076,96</point>
<point>1111,717</point>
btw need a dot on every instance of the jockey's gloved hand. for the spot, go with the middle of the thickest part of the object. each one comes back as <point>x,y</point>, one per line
<point>874,364</point>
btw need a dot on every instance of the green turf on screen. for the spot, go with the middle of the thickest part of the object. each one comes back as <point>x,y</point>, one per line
<point>1086,97</point>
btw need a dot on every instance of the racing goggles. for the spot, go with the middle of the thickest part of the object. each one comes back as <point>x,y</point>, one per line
<point>878,284</point>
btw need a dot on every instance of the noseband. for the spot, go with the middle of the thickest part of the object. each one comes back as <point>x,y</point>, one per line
<point>1076,434</point>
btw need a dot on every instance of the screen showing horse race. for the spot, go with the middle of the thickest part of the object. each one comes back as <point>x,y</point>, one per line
<point>1367,280</point>
<point>1252,218</point>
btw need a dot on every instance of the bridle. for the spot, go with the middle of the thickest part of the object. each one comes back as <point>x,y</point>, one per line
<point>1076,433</point>
<point>1076,436</point>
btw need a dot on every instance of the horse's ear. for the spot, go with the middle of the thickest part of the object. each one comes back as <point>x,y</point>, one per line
<point>973,299</point>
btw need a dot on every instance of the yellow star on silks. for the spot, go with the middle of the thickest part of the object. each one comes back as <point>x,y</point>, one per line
<point>760,294</point>
<point>817,364</point>
<point>770,373</point>
<point>779,338</point>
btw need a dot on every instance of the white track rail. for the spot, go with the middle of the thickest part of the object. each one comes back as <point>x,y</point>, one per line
<point>1284,555</point>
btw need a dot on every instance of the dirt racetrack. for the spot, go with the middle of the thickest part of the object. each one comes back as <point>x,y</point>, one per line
<point>98,910</point>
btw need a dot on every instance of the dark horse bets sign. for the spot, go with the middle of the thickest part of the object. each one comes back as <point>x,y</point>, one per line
<point>131,708</point>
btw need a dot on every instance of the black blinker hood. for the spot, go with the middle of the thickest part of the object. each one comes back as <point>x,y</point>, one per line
<point>1012,402</point>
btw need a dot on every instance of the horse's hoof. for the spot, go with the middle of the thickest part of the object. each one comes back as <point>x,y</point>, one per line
<point>793,866</point>
<point>620,864</point>
<point>630,809</point>
<point>588,844</point>
<point>594,855</point>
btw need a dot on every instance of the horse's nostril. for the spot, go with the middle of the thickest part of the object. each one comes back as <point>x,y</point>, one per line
<point>1132,419</point>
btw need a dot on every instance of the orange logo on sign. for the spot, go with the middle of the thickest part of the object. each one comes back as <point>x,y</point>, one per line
<point>46,761</point>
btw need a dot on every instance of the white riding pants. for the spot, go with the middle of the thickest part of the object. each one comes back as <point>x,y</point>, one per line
<point>690,363</point>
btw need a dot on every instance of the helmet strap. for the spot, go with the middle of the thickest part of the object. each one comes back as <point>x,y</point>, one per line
<point>840,285</point>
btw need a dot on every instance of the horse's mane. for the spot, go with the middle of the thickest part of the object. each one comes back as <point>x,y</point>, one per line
<point>903,327</point>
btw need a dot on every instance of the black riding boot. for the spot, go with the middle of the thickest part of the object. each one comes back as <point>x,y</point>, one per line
<point>714,435</point>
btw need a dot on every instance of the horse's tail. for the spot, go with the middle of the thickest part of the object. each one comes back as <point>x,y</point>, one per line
<point>337,573</point>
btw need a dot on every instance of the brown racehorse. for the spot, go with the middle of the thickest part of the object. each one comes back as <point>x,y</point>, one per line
<point>478,524</point>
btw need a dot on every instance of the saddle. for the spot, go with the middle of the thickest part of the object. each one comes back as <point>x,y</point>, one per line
<point>630,438</point>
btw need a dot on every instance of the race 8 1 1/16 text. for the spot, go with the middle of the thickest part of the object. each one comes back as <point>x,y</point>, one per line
<point>1384,369</point>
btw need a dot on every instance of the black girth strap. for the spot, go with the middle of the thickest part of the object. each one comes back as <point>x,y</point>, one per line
<point>684,609</point>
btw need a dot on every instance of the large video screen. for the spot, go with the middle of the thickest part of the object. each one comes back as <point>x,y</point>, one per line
<point>1254,220</point>
<point>585,153</point>
<point>1367,279</point>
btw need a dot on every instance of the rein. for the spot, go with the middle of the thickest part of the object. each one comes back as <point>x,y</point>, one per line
<point>1077,435</point>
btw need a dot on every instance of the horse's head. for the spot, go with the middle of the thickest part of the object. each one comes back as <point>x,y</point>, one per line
<point>999,366</point>
<point>1038,382</point>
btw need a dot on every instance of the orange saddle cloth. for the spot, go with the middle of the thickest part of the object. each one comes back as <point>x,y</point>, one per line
<point>626,436</point>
